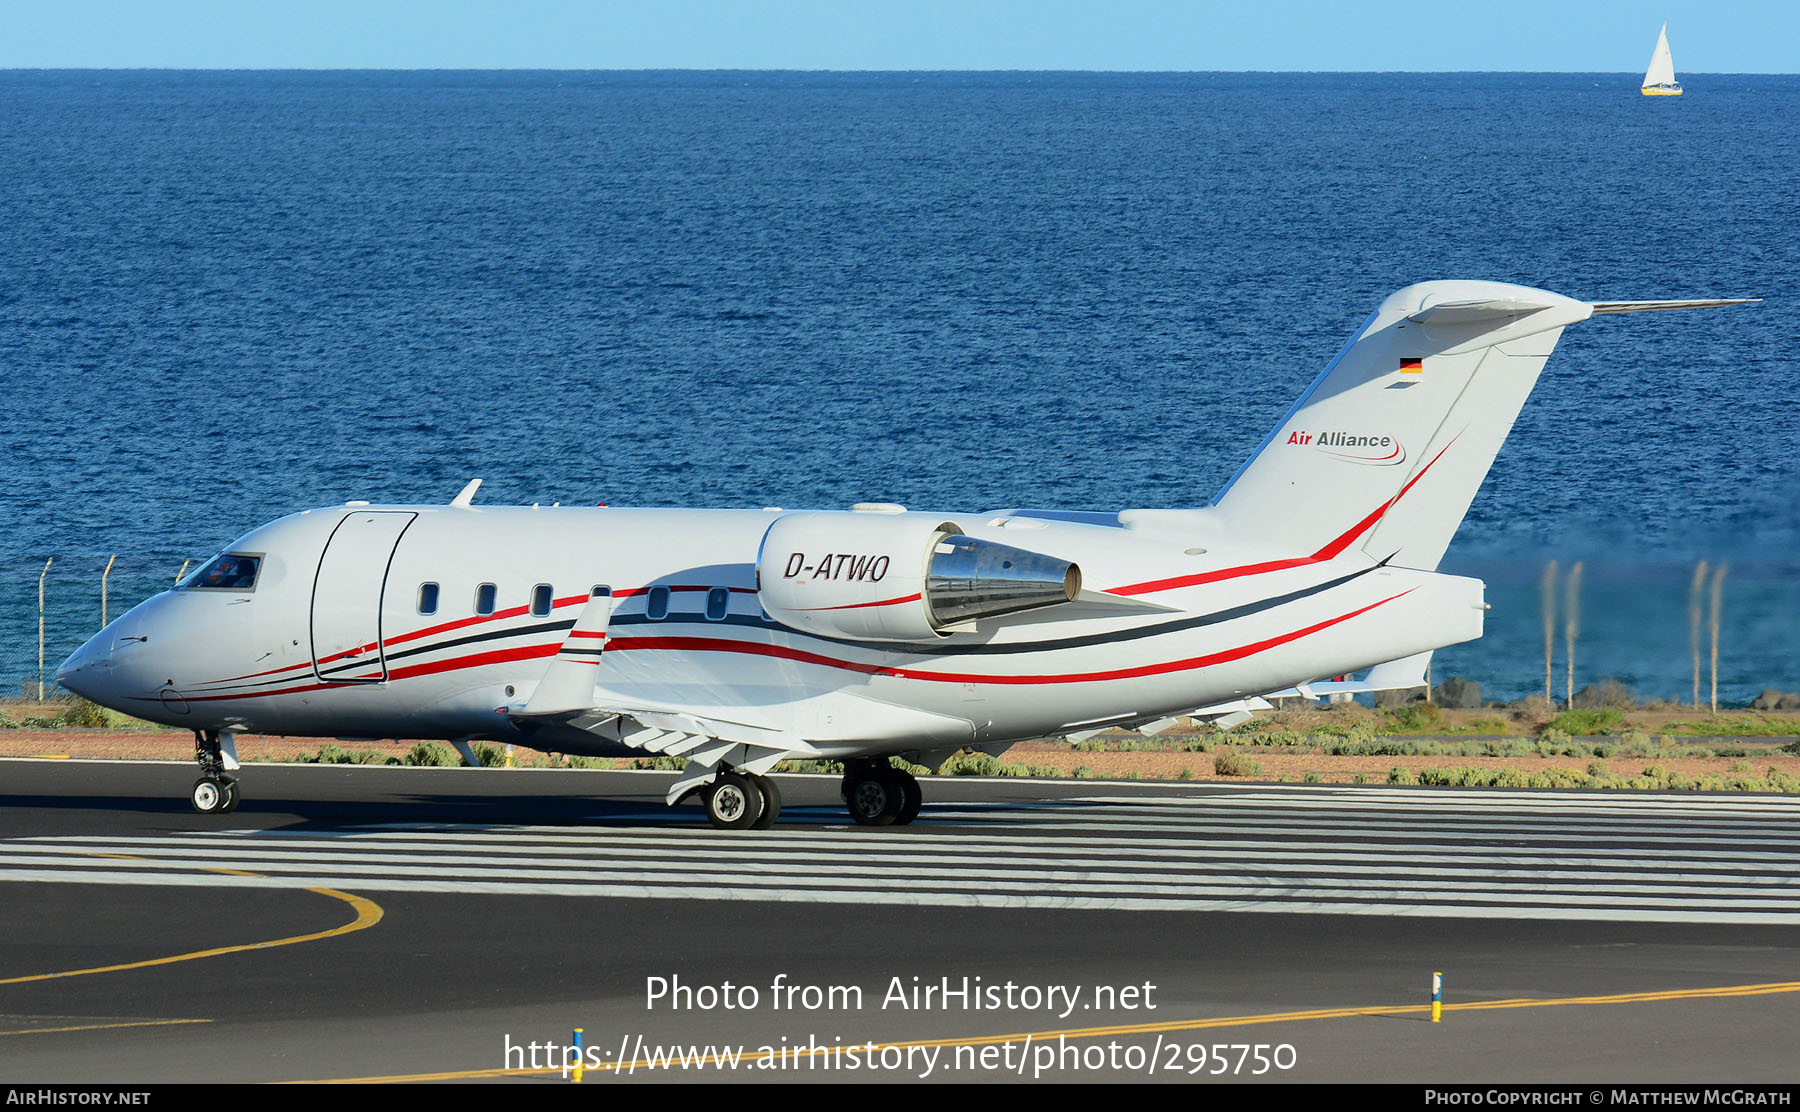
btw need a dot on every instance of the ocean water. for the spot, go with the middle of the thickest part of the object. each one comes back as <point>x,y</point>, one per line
<point>225,296</point>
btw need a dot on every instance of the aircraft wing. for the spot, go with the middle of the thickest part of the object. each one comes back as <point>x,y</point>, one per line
<point>705,741</point>
<point>565,698</point>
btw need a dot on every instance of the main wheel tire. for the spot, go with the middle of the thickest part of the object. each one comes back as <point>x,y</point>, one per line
<point>733,802</point>
<point>208,796</point>
<point>231,797</point>
<point>911,798</point>
<point>771,803</point>
<point>874,798</point>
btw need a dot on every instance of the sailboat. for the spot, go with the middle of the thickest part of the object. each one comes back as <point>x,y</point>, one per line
<point>1659,79</point>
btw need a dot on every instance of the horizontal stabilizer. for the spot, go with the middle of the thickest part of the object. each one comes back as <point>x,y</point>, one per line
<point>1476,309</point>
<point>1654,306</point>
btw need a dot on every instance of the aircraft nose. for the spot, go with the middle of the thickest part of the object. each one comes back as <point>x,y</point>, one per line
<point>81,672</point>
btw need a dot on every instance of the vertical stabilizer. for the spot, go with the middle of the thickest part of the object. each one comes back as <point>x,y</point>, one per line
<point>1386,449</point>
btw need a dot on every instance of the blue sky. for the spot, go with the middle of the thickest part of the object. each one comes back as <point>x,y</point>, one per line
<point>1755,36</point>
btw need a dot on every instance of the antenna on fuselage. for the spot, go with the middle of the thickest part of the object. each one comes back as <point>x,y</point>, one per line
<point>467,497</point>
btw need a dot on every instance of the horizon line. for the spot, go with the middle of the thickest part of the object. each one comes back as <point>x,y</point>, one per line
<point>794,70</point>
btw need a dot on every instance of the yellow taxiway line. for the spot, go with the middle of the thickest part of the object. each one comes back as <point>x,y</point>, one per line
<point>98,1026</point>
<point>1140,1029</point>
<point>368,913</point>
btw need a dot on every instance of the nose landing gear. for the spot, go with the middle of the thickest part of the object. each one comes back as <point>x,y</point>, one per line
<point>216,792</point>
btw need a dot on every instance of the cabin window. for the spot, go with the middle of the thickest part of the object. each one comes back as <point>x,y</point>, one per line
<point>230,572</point>
<point>718,604</point>
<point>600,589</point>
<point>484,598</point>
<point>542,598</point>
<point>657,607</point>
<point>428,598</point>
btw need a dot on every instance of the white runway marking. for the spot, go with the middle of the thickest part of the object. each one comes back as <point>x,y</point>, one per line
<point>1352,852</point>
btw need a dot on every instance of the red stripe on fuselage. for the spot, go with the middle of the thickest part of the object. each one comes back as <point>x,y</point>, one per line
<point>678,587</point>
<point>414,635</point>
<point>1212,576</point>
<point>1330,551</point>
<point>427,631</point>
<point>860,605</point>
<point>784,652</point>
<point>476,660</point>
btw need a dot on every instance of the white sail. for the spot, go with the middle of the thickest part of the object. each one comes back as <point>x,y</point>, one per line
<point>1662,64</point>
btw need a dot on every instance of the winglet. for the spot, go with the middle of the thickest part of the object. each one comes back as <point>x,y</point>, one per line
<point>467,497</point>
<point>568,684</point>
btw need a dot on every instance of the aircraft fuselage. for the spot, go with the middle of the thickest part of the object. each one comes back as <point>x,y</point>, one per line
<point>441,618</point>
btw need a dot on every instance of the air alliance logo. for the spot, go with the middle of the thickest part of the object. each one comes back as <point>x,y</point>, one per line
<point>1372,449</point>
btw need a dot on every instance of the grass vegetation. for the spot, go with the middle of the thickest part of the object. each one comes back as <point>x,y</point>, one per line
<point>70,712</point>
<point>1236,762</point>
<point>1618,744</point>
<point>1652,778</point>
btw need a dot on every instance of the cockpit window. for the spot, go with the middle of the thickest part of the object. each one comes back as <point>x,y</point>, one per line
<point>230,572</point>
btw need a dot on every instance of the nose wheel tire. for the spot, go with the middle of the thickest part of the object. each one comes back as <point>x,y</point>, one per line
<point>214,796</point>
<point>733,802</point>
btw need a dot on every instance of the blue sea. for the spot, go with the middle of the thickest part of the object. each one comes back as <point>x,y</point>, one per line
<point>228,295</point>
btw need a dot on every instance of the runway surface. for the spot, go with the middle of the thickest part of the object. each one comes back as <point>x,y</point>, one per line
<point>425,920</point>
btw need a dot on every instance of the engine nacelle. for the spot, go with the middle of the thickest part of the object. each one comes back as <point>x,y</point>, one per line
<point>898,577</point>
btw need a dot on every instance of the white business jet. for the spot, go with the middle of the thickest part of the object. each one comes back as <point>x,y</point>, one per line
<point>740,638</point>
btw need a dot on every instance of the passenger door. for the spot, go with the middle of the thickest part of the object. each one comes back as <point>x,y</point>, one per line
<point>346,602</point>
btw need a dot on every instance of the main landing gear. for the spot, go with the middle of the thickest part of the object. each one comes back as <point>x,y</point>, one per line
<point>875,792</point>
<point>216,792</point>
<point>741,801</point>
<point>878,794</point>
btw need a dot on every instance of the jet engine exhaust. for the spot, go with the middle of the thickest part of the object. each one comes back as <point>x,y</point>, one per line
<point>969,579</point>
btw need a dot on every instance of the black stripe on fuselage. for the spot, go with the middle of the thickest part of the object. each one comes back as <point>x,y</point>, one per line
<point>478,638</point>
<point>748,621</point>
<point>551,627</point>
<point>1136,633</point>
